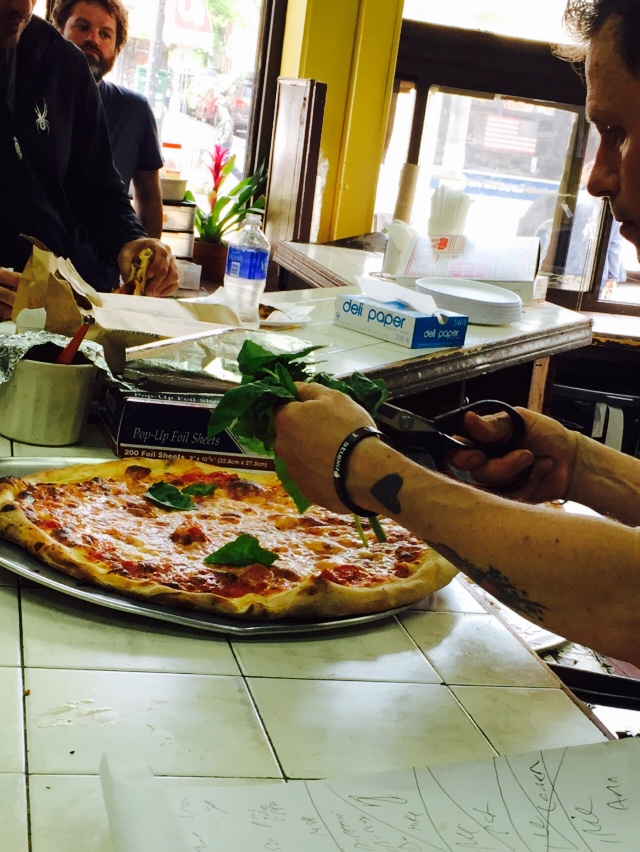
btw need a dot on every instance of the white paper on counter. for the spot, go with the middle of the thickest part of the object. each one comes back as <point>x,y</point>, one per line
<point>139,818</point>
<point>387,291</point>
<point>288,315</point>
<point>565,798</point>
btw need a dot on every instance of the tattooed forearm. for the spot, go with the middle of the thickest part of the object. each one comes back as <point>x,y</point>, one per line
<point>386,491</point>
<point>495,582</point>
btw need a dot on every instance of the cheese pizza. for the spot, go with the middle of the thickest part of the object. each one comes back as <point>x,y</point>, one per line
<point>188,534</point>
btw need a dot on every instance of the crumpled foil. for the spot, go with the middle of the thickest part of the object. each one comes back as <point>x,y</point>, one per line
<point>14,347</point>
<point>204,364</point>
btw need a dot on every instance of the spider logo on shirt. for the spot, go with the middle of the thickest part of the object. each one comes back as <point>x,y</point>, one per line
<point>41,117</point>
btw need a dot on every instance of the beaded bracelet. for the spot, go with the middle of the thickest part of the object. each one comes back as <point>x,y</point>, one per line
<point>341,464</point>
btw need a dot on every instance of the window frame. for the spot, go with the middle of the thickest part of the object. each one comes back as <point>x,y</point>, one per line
<point>435,55</point>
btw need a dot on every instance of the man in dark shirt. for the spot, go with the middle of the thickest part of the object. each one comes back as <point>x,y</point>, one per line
<point>57,166</point>
<point>99,28</point>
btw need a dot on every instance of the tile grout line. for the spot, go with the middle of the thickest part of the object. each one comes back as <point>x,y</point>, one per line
<point>252,698</point>
<point>24,715</point>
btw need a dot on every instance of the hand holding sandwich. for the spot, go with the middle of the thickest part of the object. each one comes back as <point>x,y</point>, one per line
<point>9,281</point>
<point>161,272</point>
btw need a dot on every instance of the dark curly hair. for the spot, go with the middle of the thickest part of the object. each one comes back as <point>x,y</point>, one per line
<point>63,9</point>
<point>584,18</point>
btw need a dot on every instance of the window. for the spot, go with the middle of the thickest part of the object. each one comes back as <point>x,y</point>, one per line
<point>503,120</point>
<point>188,57</point>
<point>540,21</point>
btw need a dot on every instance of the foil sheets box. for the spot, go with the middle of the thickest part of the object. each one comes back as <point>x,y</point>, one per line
<point>159,425</point>
<point>400,321</point>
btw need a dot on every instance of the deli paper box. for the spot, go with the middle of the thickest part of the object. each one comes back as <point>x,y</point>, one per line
<point>400,316</point>
<point>159,425</point>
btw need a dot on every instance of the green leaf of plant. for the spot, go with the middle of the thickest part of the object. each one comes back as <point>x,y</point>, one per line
<point>167,496</point>
<point>231,208</point>
<point>254,360</point>
<point>282,471</point>
<point>360,531</point>
<point>245,550</point>
<point>268,381</point>
<point>245,405</point>
<point>368,393</point>
<point>199,489</point>
<point>376,526</point>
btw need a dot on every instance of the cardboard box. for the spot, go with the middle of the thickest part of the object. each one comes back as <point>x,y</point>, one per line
<point>141,424</point>
<point>398,322</point>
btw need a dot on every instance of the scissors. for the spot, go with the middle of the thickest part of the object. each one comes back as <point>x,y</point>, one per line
<point>431,443</point>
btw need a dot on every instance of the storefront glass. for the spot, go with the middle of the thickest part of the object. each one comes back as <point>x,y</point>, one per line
<point>194,61</point>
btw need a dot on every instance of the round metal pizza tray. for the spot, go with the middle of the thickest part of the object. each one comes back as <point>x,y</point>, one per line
<point>17,560</point>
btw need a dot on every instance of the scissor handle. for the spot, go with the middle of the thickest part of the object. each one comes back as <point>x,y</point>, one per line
<point>452,423</point>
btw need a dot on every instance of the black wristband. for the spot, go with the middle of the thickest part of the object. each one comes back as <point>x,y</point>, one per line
<point>341,464</point>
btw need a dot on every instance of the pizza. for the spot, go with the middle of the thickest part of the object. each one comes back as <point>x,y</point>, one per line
<point>138,274</point>
<point>188,534</point>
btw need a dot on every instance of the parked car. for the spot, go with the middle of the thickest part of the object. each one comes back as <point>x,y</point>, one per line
<point>237,99</point>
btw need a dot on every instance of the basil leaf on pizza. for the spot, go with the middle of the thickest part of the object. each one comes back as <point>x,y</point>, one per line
<point>169,497</point>
<point>245,550</point>
<point>199,489</point>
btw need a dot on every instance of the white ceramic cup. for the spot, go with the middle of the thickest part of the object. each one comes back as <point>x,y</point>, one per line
<point>46,404</point>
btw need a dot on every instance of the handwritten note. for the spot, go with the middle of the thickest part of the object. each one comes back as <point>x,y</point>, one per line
<point>582,799</point>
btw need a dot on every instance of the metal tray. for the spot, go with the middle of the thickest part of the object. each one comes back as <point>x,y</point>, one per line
<point>20,562</point>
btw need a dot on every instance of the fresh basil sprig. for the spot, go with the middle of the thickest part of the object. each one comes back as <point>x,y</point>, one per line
<point>167,496</point>
<point>268,381</point>
<point>245,550</point>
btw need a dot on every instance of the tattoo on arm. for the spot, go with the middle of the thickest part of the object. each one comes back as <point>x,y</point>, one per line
<point>495,582</point>
<point>386,491</point>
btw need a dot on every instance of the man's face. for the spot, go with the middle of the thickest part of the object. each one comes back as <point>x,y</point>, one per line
<point>93,29</point>
<point>14,17</point>
<point>613,106</point>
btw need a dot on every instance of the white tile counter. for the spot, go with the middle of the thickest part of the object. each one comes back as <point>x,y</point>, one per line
<point>443,681</point>
<point>544,329</point>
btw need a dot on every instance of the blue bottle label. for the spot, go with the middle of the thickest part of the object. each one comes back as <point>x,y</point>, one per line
<point>243,262</point>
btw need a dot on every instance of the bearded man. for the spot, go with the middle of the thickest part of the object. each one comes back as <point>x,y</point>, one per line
<point>99,28</point>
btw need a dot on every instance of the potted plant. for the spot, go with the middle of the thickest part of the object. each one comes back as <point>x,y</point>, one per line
<point>226,211</point>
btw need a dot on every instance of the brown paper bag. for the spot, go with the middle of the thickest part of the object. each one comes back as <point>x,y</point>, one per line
<point>117,320</point>
<point>44,283</point>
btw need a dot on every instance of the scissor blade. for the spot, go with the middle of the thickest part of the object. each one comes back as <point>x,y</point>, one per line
<point>402,420</point>
<point>409,434</point>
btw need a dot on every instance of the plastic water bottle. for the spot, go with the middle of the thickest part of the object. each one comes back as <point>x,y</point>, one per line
<point>246,271</point>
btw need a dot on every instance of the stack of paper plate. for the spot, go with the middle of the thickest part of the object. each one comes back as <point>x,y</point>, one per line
<point>484,304</point>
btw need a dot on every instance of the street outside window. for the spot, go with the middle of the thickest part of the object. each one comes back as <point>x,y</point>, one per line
<point>194,61</point>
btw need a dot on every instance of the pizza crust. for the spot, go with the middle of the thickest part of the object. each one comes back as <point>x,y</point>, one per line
<point>312,597</point>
